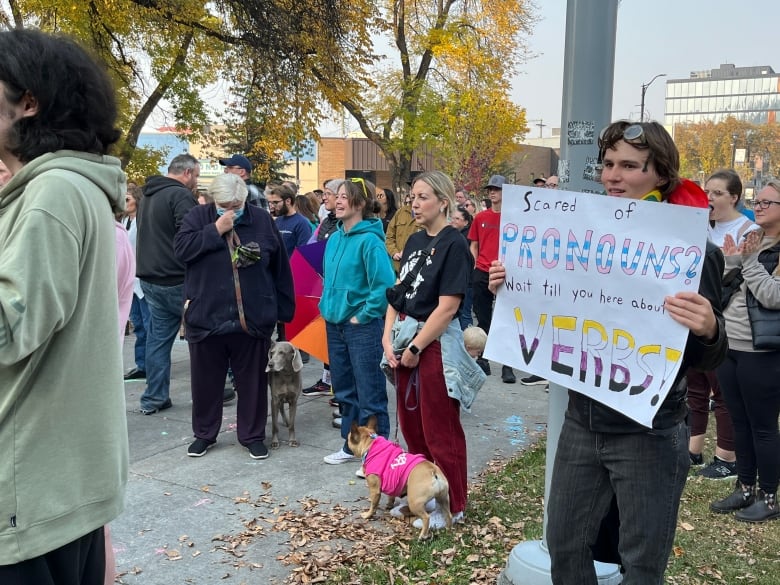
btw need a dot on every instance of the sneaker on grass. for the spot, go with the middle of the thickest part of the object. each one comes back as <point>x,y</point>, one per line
<point>339,457</point>
<point>719,469</point>
<point>437,521</point>
<point>398,511</point>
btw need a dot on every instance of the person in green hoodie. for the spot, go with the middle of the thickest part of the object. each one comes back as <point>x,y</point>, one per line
<point>357,273</point>
<point>63,464</point>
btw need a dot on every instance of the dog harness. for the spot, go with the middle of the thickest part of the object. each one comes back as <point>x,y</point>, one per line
<point>391,464</point>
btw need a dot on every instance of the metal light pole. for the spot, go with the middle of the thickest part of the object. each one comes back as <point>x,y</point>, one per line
<point>644,91</point>
<point>588,78</point>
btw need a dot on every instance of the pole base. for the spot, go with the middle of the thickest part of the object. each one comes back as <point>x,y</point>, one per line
<point>529,564</point>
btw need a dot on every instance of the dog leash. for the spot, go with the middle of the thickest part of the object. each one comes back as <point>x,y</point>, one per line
<point>232,242</point>
<point>412,386</point>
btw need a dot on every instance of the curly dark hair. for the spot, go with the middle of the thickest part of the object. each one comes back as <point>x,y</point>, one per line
<point>76,104</point>
<point>654,138</point>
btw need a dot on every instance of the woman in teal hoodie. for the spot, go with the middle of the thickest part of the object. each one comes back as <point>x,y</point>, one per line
<point>357,273</point>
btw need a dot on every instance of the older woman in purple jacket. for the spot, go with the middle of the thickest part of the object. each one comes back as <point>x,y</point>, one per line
<point>237,285</point>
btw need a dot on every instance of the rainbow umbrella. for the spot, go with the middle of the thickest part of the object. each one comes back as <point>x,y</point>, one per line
<point>306,331</point>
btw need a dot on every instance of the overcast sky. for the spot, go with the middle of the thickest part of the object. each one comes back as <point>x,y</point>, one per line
<point>654,36</point>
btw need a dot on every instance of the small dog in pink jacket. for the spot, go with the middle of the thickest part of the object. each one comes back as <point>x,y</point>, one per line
<point>392,471</point>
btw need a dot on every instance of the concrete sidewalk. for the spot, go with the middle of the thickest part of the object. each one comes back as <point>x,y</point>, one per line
<point>183,515</point>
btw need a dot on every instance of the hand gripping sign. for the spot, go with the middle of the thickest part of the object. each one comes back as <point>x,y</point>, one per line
<point>583,301</point>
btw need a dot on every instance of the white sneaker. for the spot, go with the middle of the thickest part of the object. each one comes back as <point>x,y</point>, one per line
<point>339,457</point>
<point>360,472</point>
<point>396,512</point>
<point>437,521</point>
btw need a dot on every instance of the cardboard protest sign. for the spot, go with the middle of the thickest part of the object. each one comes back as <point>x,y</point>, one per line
<point>583,301</point>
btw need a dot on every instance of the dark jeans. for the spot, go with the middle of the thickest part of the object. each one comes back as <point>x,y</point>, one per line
<point>358,383</point>
<point>165,310</point>
<point>81,562</point>
<point>139,317</point>
<point>209,361</point>
<point>646,472</point>
<point>483,299</point>
<point>465,318</point>
<point>750,382</point>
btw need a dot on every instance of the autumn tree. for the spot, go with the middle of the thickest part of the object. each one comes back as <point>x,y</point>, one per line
<point>440,51</point>
<point>151,58</point>
<point>163,53</point>
<point>708,146</point>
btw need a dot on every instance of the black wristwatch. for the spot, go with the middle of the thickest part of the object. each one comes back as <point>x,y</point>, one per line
<point>414,349</point>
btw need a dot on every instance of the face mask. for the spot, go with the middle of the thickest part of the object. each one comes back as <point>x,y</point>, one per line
<point>238,213</point>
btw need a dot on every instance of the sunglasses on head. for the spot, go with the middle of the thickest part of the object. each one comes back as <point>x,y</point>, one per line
<point>363,183</point>
<point>633,134</point>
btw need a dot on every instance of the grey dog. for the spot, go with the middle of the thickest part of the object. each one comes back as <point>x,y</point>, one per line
<point>284,379</point>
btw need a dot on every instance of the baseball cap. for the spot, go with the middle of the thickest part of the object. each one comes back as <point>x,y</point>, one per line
<point>540,181</point>
<point>496,181</point>
<point>237,160</point>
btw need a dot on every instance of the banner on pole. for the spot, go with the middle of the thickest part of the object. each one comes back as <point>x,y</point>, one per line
<point>583,301</point>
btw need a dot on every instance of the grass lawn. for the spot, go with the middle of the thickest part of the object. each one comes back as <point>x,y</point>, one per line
<point>505,507</point>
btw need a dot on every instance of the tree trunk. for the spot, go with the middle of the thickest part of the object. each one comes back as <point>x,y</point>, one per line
<point>176,68</point>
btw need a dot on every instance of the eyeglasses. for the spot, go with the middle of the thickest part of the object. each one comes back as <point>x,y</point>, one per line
<point>380,195</point>
<point>275,203</point>
<point>715,193</point>
<point>551,185</point>
<point>362,182</point>
<point>765,203</point>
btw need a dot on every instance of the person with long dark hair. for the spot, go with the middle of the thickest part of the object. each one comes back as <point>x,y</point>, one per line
<point>461,220</point>
<point>724,191</point>
<point>387,206</point>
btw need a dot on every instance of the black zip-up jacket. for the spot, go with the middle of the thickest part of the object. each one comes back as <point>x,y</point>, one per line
<point>599,418</point>
<point>165,203</point>
<point>327,226</point>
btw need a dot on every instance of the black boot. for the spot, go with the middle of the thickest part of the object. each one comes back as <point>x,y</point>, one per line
<point>763,509</point>
<point>507,375</point>
<point>742,497</point>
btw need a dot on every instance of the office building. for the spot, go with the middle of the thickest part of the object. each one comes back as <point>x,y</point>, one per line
<point>751,94</point>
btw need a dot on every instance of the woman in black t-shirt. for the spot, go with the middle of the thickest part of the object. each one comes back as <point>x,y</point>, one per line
<point>429,417</point>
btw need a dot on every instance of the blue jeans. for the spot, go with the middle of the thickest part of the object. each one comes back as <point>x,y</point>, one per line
<point>165,310</point>
<point>465,318</point>
<point>358,383</point>
<point>646,472</point>
<point>139,317</point>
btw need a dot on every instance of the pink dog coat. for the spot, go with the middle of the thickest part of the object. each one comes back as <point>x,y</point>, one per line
<point>391,463</point>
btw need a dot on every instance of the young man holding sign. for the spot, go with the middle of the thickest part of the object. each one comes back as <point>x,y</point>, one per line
<point>605,460</point>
